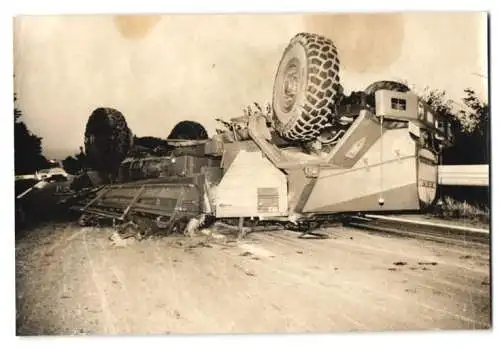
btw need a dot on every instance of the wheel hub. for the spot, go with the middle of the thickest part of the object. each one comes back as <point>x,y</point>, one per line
<point>290,85</point>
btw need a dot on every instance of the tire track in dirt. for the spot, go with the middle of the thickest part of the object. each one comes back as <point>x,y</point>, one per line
<point>63,242</point>
<point>472,267</point>
<point>139,296</point>
<point>267,283</point>
<point>294,285</point>
<point>119,276</point>
<point>228,296</point>
<point>268,296</point>
<point>416,246</point>
<point>235,287</point>
<point>452,250</point>
<point>459,284</point>
<point>36,285</point>
<point>367,250</point>
<point>182,299</point>
<point>80,305</point>
<point>430,308</point>
<point>110,327</point>
<point>388,293</point>
<point>302,276</point>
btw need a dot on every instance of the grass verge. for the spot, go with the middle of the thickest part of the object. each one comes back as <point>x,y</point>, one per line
<point>451,208</point>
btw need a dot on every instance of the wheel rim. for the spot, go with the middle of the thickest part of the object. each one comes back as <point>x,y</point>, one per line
<point>290,86</point>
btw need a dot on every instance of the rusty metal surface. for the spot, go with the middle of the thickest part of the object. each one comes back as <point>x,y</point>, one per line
<point>161,199</point>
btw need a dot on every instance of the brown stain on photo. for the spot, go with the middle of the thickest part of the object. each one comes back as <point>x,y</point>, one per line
<point>366,42</point>
<point>135,26</point>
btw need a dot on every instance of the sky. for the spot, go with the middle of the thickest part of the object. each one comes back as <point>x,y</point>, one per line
<point>159,70</point>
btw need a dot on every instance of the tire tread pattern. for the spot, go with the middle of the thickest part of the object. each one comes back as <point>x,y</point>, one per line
<point>321,87</point>
<point>119,142</point>
<point>389,85</point>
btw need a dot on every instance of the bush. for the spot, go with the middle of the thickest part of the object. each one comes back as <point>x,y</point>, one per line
<point>458,209</point>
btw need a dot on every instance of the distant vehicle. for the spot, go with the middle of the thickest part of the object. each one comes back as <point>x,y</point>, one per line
<point>37,195</point>
<point>50,172</point>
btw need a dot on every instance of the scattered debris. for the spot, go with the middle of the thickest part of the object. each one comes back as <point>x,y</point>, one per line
<point>256,250</point>
<point>75,332</point>
<point>118,241</point>
<point>246,253</point>
<point>212,234</point>
<point>193,226</point>
<point>299,252</point>
<point>413,291</point>
<point>247,272</point>
<point>428,263</point>
<point>399,263</point>
<point>314,235</point>
<point>392,269</point>
<point>465,257</point>
<point>276,307</point>
<point>202,244</point>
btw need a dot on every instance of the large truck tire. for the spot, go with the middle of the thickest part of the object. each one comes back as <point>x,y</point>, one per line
<point>107,140</point>
<point>188,130</point>
<point>305,85</point>
<point>388,85</point>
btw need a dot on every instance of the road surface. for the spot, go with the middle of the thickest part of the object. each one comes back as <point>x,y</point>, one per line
<point>72,280</point>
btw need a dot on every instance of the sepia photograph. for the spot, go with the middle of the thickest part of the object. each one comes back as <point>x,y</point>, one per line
<point>280,173</point>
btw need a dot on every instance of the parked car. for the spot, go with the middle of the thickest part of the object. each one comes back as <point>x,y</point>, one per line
<point>46,173</point>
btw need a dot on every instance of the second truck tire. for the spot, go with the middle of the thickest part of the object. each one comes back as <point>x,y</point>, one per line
<point>107,139</point>
<point>389,85</point>
<point>305,85</point>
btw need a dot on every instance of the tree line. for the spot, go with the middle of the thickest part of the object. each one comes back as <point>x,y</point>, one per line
<point>470,123</point>
<point>470,126</point>
<point>28,156</point>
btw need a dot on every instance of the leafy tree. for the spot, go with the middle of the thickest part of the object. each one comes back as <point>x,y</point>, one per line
<point>470,126</point>
<point>477,117</point>
<point>28,156</point>
<point>76,163</point>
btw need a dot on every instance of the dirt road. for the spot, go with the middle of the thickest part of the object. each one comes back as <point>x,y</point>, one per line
<point>71,280</point>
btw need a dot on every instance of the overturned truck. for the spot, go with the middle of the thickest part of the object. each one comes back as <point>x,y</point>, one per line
<point>316,153</point>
